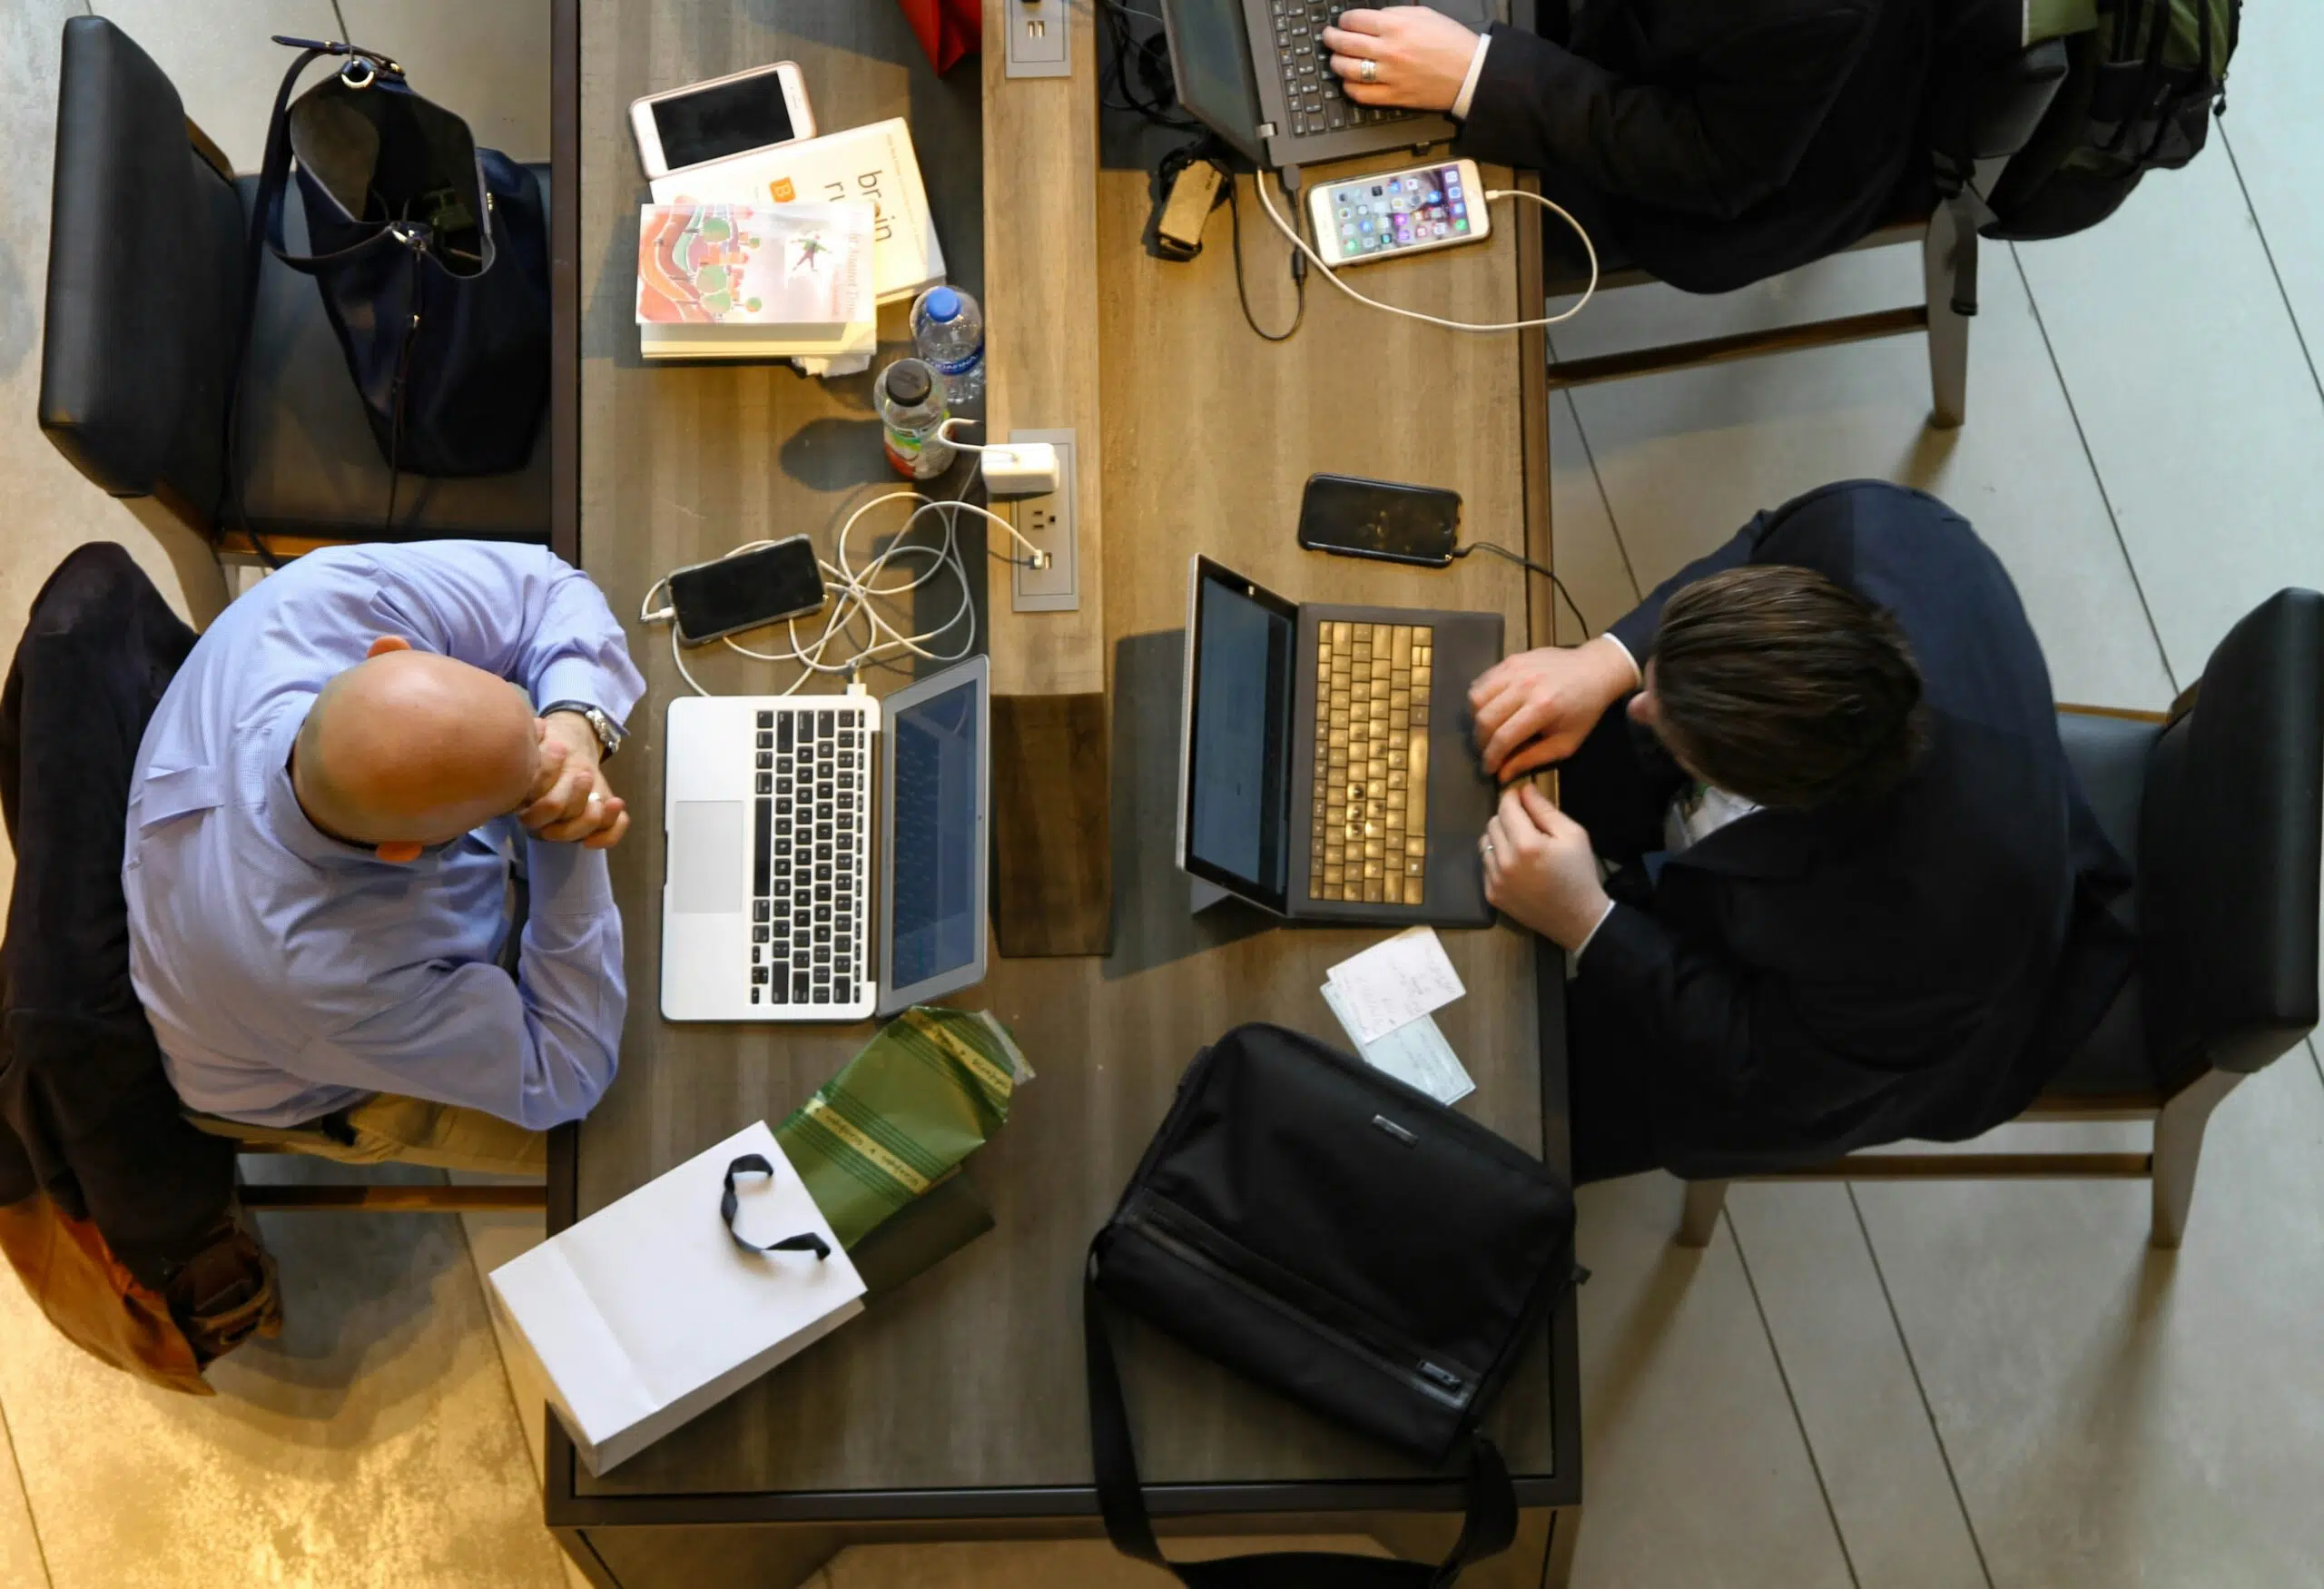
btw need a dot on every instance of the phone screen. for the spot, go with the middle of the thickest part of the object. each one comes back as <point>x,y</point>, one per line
<point>1381,214</point>
<point>1379,518</point>
<point>711,124</point>
<point>746,590</point>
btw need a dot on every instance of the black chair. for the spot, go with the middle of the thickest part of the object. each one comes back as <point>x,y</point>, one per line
<point>147,231</point>
<point>2219,807</point>
<point>1983,112</point>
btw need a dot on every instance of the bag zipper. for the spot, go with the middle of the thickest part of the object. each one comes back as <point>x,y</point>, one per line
<point>1398,1360</point>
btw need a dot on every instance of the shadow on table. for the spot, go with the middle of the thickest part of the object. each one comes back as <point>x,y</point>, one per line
<point>1154,923</point>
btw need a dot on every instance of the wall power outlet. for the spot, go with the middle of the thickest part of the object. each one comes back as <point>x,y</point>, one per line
<point>1049,523</point>
<point>1038,38</point>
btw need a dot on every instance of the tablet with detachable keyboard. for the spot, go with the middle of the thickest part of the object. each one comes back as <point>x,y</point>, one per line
<point>774,809</point>
<point>1327,764</point>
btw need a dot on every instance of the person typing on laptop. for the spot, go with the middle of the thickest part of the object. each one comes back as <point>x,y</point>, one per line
<point>369,913</point>
<point>1855,894</point>
<point>1712,141</point>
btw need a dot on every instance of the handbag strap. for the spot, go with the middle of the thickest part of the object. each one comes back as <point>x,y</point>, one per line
<point>1488,1528</point>
<point>266,236</point>
<point>275,176</point>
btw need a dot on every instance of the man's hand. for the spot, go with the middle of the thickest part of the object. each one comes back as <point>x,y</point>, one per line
<point>1422,56</point>
<point>570,802</point>
<point>1538,706</point>
<point>1539,869</point>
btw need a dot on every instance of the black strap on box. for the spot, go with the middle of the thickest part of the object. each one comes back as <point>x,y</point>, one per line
<point>756,1164</point>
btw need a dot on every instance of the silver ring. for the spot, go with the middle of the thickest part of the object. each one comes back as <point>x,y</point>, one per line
<point>1485,848</point>
<point>595,797</point>
<point>1371,73</point>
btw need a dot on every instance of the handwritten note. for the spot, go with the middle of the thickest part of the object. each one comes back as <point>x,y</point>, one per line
<point>1395,983</point>
<point>1415,1053</point>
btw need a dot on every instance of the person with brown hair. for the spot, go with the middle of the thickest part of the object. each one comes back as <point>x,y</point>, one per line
<point>1850,893</point>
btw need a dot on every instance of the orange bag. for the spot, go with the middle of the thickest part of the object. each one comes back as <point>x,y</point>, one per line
<point>947,29</point>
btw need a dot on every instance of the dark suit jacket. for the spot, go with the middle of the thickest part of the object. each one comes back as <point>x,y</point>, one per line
<point>1719,141</point>
<point>1802,983</point>
<point>87,1115</point>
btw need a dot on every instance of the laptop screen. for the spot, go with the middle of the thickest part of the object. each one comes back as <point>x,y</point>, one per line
<point>1239,752</point>
<point>1210,56</point>
<point>934,903</point>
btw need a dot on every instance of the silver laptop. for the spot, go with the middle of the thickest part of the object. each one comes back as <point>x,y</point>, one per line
<point>775,808</point>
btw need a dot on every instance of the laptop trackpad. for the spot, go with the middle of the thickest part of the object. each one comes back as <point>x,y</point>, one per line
<point>706,860</point>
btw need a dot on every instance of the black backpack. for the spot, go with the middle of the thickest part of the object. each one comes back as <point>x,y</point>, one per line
<point>2139,91</point>
<point>1344,1241</point>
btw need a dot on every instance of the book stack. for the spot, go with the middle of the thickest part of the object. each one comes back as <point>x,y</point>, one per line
<point>875,164</point>
<point>757,281</point>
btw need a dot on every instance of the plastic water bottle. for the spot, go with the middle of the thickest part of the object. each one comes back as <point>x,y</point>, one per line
<point>911,407</point>
<point>948,329</point>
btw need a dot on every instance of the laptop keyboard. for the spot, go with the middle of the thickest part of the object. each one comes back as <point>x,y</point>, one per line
<point>1368,841</point>
<point>809,874</point>
<point>1311,89</point>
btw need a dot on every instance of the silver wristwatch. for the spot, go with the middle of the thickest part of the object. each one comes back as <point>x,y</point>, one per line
<point>608,732</point>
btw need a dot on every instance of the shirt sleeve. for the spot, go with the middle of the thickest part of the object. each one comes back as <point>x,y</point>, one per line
<point>446,1032</point>
<point>520,612</point>
<point>1468,84</point>
<point>1582,948</point>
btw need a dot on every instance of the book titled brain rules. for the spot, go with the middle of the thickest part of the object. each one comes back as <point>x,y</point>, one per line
<point>759,280</point>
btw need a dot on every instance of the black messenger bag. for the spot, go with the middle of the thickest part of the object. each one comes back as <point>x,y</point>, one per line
<point>1342,1239</point>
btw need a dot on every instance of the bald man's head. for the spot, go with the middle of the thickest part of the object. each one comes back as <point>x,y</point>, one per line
<point>407,749</point>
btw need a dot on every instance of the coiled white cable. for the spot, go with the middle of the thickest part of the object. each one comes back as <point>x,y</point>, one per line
<point>855,594</point>
<point>1301,243</point>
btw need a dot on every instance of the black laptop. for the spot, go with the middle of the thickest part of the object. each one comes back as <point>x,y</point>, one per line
<point>1255,72</point>
<point>1327,767</point>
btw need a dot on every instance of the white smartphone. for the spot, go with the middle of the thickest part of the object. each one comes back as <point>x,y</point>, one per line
<point>1393,214</point>
<point>735,115</point>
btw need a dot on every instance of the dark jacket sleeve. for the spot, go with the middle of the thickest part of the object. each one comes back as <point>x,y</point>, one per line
<point>1724,1029</point>
<point>1715,144</point>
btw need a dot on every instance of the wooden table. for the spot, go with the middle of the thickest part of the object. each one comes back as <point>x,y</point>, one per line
<point>954,1408</point>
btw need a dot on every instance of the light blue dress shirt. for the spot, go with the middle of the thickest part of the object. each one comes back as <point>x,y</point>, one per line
<point>288,975</point>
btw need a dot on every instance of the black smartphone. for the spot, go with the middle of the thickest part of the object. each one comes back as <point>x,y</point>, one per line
<point>1380,518</point>
<point>746,590</point>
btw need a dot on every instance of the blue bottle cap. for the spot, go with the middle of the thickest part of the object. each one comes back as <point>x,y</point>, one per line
<point>942,304</point>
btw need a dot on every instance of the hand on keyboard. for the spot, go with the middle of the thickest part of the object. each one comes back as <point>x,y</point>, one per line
<point>1421,56</point>
<point>1536,707</point>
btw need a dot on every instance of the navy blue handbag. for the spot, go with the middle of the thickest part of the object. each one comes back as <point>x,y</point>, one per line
<point>432,256</point>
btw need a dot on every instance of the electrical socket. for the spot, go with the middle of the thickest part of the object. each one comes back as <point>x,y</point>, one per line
<point>1039,44</point>
<point>1048,522</point>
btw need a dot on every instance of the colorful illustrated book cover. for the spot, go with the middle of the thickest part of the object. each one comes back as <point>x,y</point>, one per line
<point>791,269</point>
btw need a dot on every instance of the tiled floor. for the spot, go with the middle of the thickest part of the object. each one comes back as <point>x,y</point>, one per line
<point>1932,1387</point>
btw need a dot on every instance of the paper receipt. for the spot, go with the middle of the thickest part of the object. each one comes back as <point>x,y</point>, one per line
<point>1395,983</point>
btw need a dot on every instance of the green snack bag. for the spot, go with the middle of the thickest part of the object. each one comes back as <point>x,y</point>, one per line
<point>925,1093</point>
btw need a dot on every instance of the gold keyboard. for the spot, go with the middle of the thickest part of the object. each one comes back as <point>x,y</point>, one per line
<point>1368,840</point>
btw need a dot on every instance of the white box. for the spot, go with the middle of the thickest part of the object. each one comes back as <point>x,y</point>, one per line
<point>646,1313</point>
<point>874,162</point>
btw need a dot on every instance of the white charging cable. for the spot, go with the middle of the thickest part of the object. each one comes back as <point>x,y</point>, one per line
<point>853,594</point>
<point>1301,243</point>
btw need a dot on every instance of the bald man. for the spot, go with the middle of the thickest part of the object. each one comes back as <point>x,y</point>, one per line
<point>369,913</point>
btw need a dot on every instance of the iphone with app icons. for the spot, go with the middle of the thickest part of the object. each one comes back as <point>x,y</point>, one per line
<point>1394,213</point>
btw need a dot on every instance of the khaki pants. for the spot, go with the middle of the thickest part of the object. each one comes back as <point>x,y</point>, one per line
<point>387,1128</point>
